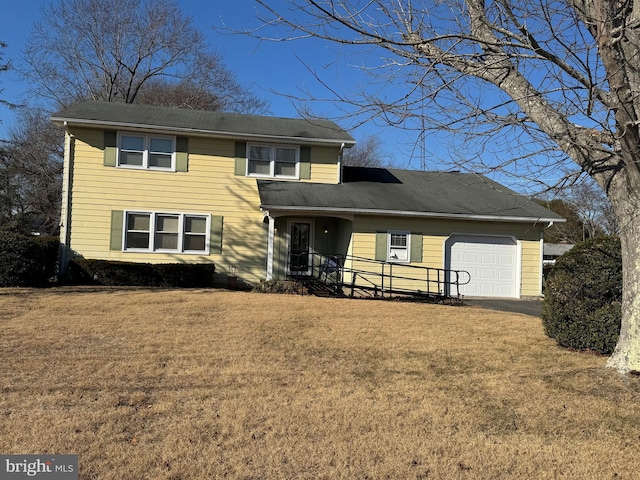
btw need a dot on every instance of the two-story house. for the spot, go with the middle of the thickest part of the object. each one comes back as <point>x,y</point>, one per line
<point>262,195</point>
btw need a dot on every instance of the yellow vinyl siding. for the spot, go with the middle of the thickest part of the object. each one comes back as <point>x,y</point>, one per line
<point>531,265</point>
<point>324,165</point>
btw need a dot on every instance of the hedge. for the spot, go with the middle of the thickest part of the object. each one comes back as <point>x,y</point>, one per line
<point>582,303</point>
<point>110,273</point>
<point>27,261</point>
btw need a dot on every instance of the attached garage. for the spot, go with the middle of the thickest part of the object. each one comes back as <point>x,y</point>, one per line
<point>492,263</point>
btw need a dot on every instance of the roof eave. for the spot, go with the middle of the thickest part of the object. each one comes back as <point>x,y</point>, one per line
<point>404,213</point>
<point>203,132</point>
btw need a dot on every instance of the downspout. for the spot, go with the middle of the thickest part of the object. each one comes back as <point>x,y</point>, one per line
<point>65,212</point>
<point>340,153</point>
<point>541,282</point>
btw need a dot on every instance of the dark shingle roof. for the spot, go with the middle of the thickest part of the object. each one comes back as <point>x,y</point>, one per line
<point>234,125</point>
<point>556,249</point>
<point>406,192</point>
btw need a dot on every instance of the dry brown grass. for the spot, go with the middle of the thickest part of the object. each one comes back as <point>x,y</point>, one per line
<point>151,384</point>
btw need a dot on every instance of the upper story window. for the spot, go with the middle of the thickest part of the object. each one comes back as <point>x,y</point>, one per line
<point>399,247</point>
<point>278,161</point>
<point>146,151</point>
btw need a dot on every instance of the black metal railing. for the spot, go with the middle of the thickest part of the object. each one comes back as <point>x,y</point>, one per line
<point>359,274</point>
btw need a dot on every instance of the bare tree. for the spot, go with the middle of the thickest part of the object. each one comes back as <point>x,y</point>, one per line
<point>31,174</point>
<point>572,231</point>
<point>556,83</point>
<point>588,212</point>
<point>115,49</point>
<point>594,209</point>
<point>4,66</point>
<point>366,153</point>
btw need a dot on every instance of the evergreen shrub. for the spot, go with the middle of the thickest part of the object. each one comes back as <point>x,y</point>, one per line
<point>583,291</point>
<point>50,247</point>
<point>111,273</point>
<point>23,261</point>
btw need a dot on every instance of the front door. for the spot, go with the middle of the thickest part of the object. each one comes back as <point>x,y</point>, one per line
<point>300,247</point>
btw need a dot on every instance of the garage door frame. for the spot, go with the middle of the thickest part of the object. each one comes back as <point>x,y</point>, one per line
<point>454,237</point>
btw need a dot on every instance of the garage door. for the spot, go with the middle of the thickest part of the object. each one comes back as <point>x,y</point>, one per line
<point>491,262</point>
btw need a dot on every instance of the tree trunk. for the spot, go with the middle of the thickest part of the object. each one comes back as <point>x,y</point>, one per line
<point>626,357</point>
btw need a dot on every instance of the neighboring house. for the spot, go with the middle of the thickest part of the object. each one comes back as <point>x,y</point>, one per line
<point>552,251</point>
<point>262,195</point>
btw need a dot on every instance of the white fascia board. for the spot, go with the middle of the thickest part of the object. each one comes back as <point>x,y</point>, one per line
<point>201,132</point>
<point>403,213</point>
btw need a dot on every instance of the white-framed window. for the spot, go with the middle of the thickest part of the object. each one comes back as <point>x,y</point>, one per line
<point>278,161</point>
<point>153,152</point>
<point>166,232</point>
<point>399,247</point>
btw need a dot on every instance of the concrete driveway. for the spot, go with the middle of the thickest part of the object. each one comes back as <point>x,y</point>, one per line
<point>527,307</point>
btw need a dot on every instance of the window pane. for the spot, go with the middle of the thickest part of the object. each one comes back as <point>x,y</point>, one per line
<point>167,223</point>
<point>398,254</point>
<point>285,154</point>
<point>286,169</point>
<point>194,242</point>
<point>138,221</point>
<point>130,158</point>
<point>259,153</point>
<point>159,160</point>
<point>132,143</point>
<point>398,240</point>
<point>137,240</point>
<point>161,145</point>
<point>259,167</point>
<point>166,241</point>
<point>195,224</point>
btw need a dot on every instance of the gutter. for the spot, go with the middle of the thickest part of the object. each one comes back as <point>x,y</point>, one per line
<point>404,213</point>
<point>213,133</point>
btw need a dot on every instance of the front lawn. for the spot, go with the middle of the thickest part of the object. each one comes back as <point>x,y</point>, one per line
<point>194,384</point>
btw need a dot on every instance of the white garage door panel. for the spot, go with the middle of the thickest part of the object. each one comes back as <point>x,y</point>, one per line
<point>491,262</point>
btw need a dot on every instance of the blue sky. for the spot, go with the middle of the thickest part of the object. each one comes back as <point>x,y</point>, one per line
<point>272,70</point>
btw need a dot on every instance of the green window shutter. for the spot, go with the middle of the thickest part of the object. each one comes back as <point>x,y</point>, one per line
<point>305,163</point>
<point>117,217</point>
<point>416,247</point>
<point>381,246</point>
<point>215,237</point>
<point>110,148</point>
<point>182,154</point>
<point>241,159</point>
